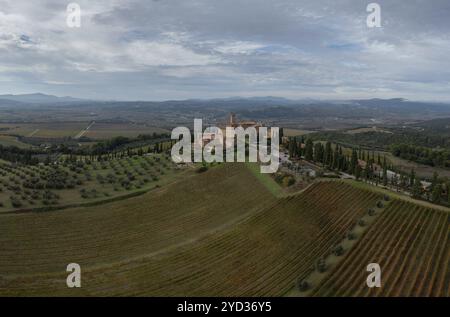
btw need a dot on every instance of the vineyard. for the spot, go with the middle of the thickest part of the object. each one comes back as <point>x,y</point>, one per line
<point>411,244</point>
<point>218,233</point>
<point>224,233</point>
<point>48,241</point>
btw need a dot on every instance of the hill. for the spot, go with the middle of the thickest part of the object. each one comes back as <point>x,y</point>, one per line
<point>37,98</point>
<point>222,233</point>
<point>411,244</point>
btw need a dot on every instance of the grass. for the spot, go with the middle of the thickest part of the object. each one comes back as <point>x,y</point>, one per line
<point>101,131</point>
<point>295,132</point>
<point>44,129</point>
<point>396,195</point>
<point>371,129</point>
<point>64,129</point>
<point>6,140</point>
<point>265,179</point>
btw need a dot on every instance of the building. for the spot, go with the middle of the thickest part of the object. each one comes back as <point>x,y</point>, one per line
<point>232,122</point>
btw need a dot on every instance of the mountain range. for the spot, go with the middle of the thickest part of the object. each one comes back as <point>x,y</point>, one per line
<point>37,98</point>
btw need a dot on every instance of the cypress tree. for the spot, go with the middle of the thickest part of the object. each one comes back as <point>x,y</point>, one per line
<point>309,152</point>
<point>412,177</point>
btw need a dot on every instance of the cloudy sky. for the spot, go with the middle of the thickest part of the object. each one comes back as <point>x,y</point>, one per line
<point>176,49</point>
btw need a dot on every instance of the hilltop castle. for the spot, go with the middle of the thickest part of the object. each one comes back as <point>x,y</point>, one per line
<point>244,124</point>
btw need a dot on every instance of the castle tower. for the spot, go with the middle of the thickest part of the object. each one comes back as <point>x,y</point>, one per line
<point>232,119</point>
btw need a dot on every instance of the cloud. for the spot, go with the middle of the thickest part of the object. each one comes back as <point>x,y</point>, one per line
<point>208,48</point>
<point>166,54</point>
<point>238,47</point>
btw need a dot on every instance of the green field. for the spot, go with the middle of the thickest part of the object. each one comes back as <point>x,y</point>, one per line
<point>102,131</point>
<point>7,140</point>
<point>96,131</point>
<point>295,132</point>
<point>43,130</point>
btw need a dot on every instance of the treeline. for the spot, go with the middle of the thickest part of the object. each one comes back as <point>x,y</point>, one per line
<point>107,146</point>
<point>422,155</point>
<point>156,147</point>
<point>371,168</point>
<point>333,157</point>
<point>383,140</point>
<point>18,155</point>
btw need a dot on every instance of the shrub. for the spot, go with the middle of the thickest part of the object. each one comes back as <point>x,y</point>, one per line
<point>302,285</point>
<point>321,266</point>
<point>351,236</point>
<point>202,169</point>
<point>288,180</point>
<point>16,203</point>
<point>338,250</point>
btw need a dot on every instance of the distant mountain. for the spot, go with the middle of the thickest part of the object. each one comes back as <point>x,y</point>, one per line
<point>37,98</point>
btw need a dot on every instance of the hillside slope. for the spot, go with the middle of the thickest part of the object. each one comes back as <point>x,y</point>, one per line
<point>411,244</point>
<point>222,233</point>
<point>47,242</point>
<point>173,251</point>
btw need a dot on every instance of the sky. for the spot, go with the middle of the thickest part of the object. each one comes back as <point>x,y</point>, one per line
<point>181,49</point>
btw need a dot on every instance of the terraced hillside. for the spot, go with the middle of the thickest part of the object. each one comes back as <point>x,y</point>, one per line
<point>218,233</point>
<point>411,244</point>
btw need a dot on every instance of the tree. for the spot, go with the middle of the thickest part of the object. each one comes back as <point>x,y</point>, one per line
<point>448,192</point>
<point>434,181</point>
<point>358,172</point>
<point>364,174</point>
<point>335,162</point>
<point>291,148</point>
<point>353,162</point>
<point>309,152</point>
<point>281,135</point>
<point>417,189</point>
<point>47,160</point>
<point>328,154</point>
<point>436,194</point>
<point>412,177</point>
<point>318,152</point>
<point>385,176</point>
